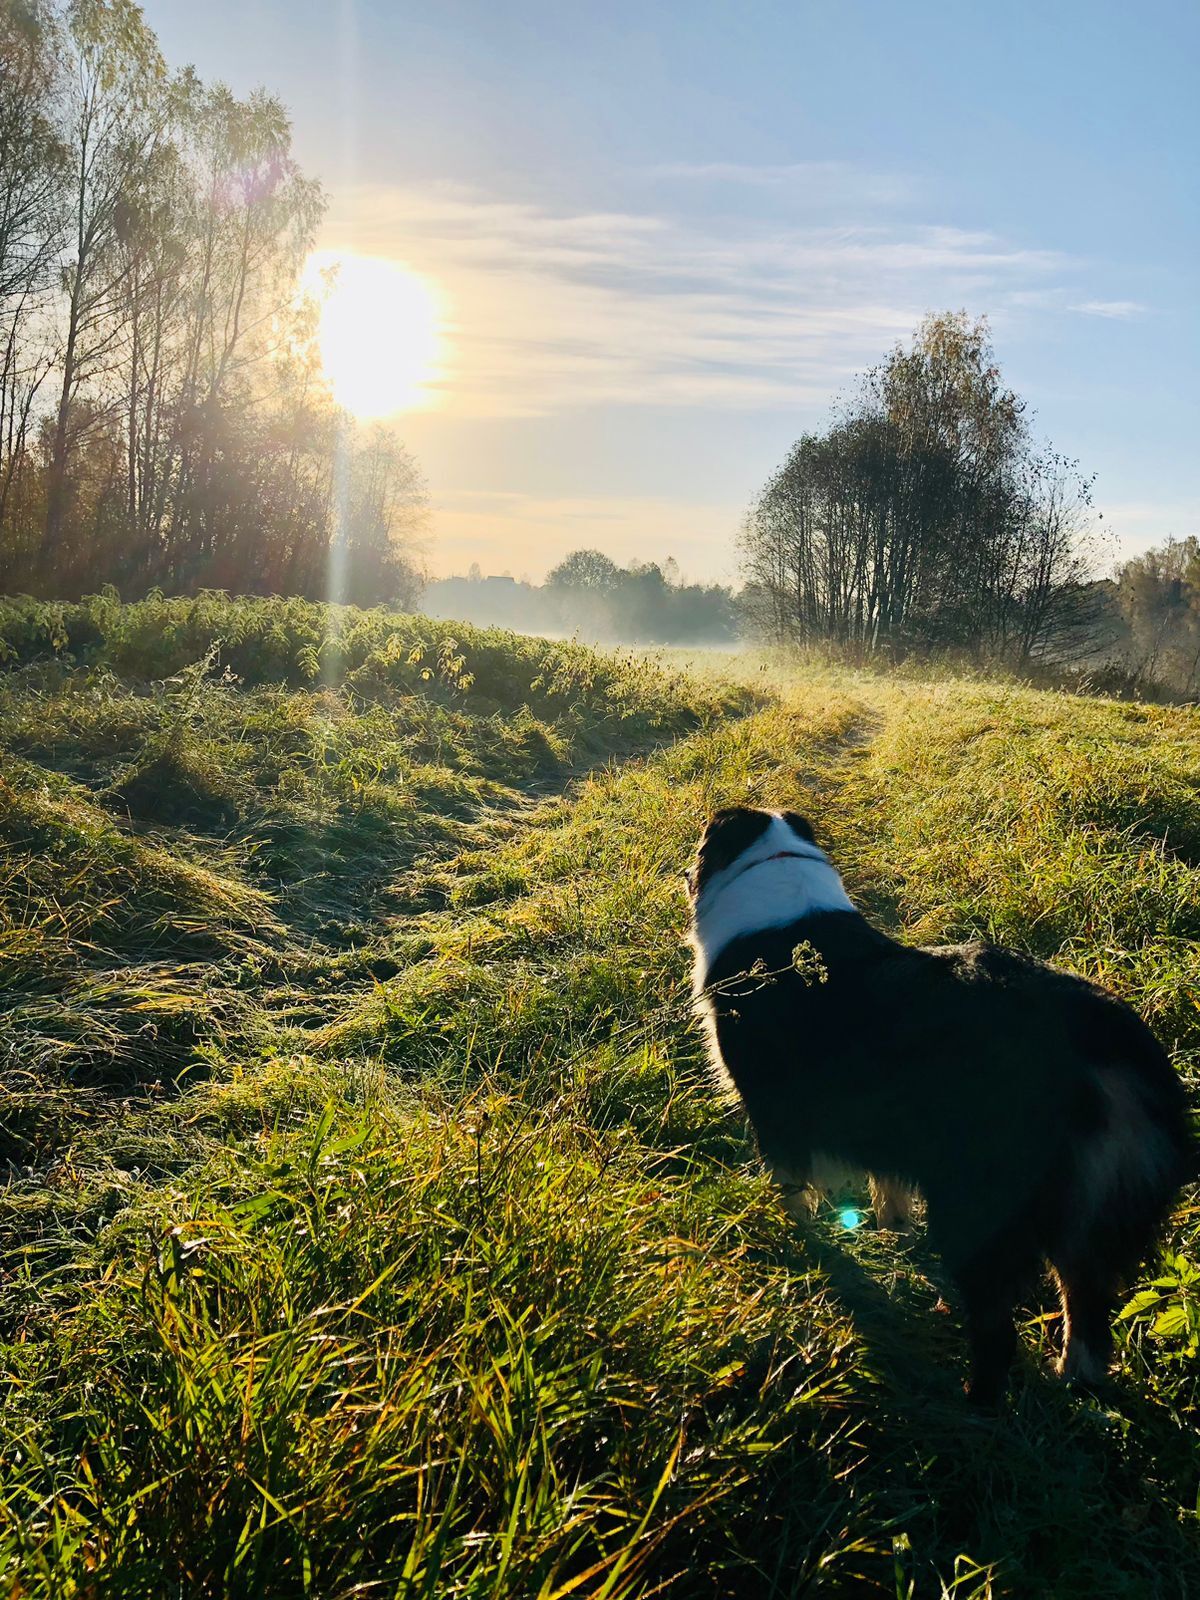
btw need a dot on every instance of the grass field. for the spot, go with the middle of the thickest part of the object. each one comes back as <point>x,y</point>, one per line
<point>370,1227</point>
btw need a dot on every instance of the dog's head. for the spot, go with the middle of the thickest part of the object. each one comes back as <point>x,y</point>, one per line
<point>737,831</point>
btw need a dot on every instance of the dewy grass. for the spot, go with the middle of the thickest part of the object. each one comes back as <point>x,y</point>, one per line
<point>371,1225</point>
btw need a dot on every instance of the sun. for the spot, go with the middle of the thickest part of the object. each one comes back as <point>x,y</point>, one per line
<point>378,331</point>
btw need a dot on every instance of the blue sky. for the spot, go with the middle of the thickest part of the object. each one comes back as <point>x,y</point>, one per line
<point>667,235</point>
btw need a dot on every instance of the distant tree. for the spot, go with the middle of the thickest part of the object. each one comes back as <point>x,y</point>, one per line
<point>117,113</point>
<point>585,571</point>
<point>253,222</point>
<point>32,224</point>
<point>923,515</point>
<point>1158,597</point>
<point>645,600</point>
<point>385,512</point>
<point>580,594</point>
<point>590,594</point>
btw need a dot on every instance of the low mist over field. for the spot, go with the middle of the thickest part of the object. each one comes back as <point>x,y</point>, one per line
<point>589,596</point>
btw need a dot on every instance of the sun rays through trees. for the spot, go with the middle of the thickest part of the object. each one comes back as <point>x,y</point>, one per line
<point>164,420</point>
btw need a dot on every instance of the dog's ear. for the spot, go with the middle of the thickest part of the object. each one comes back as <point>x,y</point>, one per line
<point>734,817</point>
<point>730,831</point>
<point>800,825</point>
<point>689,878</point>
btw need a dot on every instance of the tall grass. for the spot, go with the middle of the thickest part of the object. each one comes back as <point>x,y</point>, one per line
<point>373,1228</point>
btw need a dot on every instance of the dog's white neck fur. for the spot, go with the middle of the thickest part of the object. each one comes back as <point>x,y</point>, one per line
<point>756,891</point>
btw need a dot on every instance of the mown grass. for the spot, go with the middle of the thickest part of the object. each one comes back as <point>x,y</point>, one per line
<point>414,1255</point>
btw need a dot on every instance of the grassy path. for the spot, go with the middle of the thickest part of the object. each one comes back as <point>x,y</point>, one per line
<point>469,1286</point>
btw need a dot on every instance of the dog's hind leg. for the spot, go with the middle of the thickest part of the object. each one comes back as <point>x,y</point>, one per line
<point>1087,1302</point>
<point>1126,1164</point>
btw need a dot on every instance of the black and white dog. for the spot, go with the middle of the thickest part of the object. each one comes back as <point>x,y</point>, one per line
<point>1036,1114</point>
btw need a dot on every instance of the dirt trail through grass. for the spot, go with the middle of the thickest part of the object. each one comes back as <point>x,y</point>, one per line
<point>455,1278</point>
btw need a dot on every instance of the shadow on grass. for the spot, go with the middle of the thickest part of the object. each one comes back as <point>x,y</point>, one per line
<point>1061,1494</point>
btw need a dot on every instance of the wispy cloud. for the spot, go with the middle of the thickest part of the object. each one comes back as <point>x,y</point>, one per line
<point>1121,309</point>
<point>553,309</point>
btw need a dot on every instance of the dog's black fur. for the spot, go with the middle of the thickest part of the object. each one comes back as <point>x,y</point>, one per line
<point>1036,1113</point>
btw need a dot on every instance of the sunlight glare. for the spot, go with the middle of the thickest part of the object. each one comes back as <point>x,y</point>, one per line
<point>378,331</point>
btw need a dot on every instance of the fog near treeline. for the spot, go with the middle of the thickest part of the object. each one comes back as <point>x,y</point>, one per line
<point>1142,634</point>
<point>925,519</point>
<point>589,596</point>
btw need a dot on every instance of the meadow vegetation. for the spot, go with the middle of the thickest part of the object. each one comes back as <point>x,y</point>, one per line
<point>371,1226</point>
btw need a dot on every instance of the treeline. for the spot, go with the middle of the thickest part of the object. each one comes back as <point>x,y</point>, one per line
<point>925,517</point>
<point>590,595</point>
<point>163,418</point>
